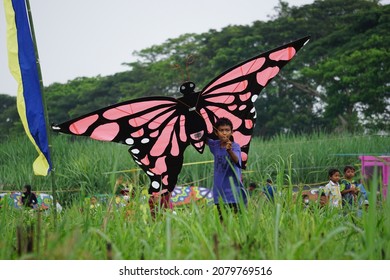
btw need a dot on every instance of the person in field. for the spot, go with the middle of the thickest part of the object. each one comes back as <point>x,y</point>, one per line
<point>323,199</point>
<point>351,190</point>
<point>227,188</point>
<point>269,190</point>
<point>253,189</point>
<point>29,199</point>
<point>332,189</point>
<point>160,200</point>
<point>94,204</point>
<point>348,187</point>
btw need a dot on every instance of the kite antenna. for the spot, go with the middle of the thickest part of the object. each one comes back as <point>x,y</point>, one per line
<point>185,75</point>
<point>189,60</point>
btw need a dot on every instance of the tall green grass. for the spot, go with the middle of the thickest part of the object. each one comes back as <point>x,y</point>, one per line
<point>263,231</point>
<point>84,166</point>
<point>281,230</point>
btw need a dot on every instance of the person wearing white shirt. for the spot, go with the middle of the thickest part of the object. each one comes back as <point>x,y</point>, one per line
<point>332,189</point>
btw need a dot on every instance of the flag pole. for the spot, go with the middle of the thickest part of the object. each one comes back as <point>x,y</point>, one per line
<point>52,173</point>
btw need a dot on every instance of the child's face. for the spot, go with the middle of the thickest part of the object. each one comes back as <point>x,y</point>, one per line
<point>349,174</point>
<point>224,132</point>
<point>335,177</point>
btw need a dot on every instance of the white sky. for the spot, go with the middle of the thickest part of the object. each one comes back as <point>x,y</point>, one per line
<point>79,38</point>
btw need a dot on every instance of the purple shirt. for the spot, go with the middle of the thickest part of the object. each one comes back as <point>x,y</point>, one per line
<point>227,174</point>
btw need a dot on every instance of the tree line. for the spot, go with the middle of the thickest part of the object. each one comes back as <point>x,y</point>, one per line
<point>338,82</point>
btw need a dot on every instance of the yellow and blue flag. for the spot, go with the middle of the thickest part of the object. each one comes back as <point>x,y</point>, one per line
<point>22,62</point>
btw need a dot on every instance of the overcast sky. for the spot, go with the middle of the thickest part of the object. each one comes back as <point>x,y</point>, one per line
<point>79,38</point>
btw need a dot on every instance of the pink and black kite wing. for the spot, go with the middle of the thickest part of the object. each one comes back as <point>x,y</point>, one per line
<point>152,127</point>
<point>233,93</point>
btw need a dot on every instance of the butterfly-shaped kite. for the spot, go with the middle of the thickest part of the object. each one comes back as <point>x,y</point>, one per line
<point>159,129</point>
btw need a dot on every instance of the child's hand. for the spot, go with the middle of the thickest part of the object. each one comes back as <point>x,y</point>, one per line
<point>228,145</point>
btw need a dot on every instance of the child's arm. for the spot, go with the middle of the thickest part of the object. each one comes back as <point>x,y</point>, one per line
<point>348,191</point>
<point>233,156</point>
<point>352,190</point>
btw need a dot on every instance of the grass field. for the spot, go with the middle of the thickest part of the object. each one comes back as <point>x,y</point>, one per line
<point>281,230</point>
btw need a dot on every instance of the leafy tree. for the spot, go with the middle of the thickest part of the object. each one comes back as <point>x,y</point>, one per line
<point>339,81</point>
<point>9,118</point>
<point>354,77</point>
